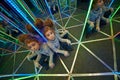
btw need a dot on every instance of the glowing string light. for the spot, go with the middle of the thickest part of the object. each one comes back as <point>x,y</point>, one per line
<point>23,15</point>
<point>24,6</point>
<point>10,22</point>
<point>49,9</point>
<point>86,21</point>
<point>8,37</point>
<point>115,12</point>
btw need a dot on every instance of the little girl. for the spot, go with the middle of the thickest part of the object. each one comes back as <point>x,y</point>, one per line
<point>41,54</point>
<point>54,40</point>
<point>63,33</point>
<point>98,16</point>
<point>94,17</point>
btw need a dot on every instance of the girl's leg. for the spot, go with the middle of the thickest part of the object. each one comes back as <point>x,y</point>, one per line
<point>107,13</point>
<point>44,61</point>
<point>65,46</point>
<point>88,30</point>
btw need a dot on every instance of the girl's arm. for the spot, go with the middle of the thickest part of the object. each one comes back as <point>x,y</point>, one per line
<point>51,64</point>
<point>98,24</point>
<point>38,57</point>
<point>57,50</point>
<point>51,58</point>
<point>63,40</point>
<point>65,53</point>
<point>31,55</point>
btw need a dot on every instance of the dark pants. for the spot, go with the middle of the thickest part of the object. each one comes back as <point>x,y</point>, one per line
<point>65,46</point>
<point>44,61</point>
<point>106,15</point>
<point>89,30</point>
<point>33,58</point>
<point>66,36</point>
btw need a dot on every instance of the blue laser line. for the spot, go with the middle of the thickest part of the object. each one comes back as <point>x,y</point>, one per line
<point>110,3</point>
<point>23,15</point>
<point>49,10</point>
<point>16,75</point>
<point>117,73</point>
<point>8,20</point>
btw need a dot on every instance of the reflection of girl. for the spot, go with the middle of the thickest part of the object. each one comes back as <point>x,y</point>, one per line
<point>53,40</point>
<point>98,16</point>
<point>94,17</point>
<point>49,22</point>
<point>32,56</point>
<point>41,54</point>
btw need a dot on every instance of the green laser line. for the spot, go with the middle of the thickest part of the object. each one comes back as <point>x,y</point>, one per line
<point>11,40</point>
<point>8,36</point>
<point>86,21</point>
<point>115,12</point>
<point>76,53</point>
<point>26,9</point>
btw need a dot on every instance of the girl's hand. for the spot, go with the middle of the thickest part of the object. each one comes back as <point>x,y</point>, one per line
<point>66,54</point>
<point>107,20</point>
<point>98,28</point>
<point>37,64</point>
<point>68,42</point>
<point>51,65</point>
<point>92,24</point>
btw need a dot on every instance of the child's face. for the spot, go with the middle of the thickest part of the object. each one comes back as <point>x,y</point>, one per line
<point>50,35</point>
<point>100,3</point>
<point>33,46</point>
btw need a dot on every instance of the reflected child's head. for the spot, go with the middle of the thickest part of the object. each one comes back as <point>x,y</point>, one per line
<point>32,44</point>
<point>97,3</point>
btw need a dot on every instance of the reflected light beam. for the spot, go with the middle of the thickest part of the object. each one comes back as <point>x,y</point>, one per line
<point>11,3</point>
